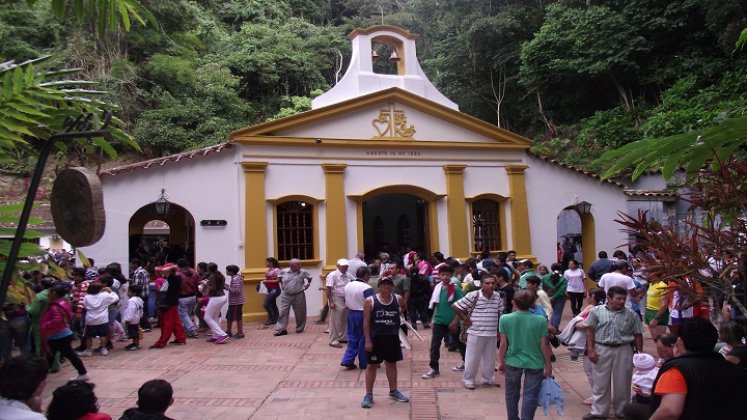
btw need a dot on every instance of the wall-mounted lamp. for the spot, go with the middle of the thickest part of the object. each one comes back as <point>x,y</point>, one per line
<point>162,204</point>
<point>583,208</point>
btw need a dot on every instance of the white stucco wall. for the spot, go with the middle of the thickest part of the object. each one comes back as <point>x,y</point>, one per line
<point>209,187</point>
<point>551,188</point>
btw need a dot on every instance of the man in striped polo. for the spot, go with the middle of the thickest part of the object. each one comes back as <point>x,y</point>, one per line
<point>480,311</point>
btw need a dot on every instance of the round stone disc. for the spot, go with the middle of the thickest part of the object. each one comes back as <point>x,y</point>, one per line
<point>78,206</point>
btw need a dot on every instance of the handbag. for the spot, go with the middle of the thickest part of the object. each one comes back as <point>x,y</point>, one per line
<point>463,330</point>
<point>262,289</point>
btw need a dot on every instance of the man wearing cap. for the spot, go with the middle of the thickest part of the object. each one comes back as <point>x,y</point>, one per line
<point>338,312</point>
<point>356,293</point>
<point>293,282</point>
<point>168,304</point>
<point>381,319</point>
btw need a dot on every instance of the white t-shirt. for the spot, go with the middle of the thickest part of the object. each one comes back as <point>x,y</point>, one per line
<point>575,280</point>
<point>356,293</point>
<point>17,410</point>
<point>97,306</point>
<point>618,279</point>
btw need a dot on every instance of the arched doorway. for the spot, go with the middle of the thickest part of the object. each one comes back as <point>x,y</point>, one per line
<point>397,217</point>
<point>164,237</point>
<point>576,235</point>
<point>393,222</point>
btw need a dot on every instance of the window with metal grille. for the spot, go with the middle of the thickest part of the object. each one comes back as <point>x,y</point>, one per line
<point>486,225</point>
<point>295,230</point>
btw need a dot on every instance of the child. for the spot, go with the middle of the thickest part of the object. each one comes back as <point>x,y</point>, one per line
<point>96,302</point>
<point>236,301</point>
<point>132,315</point>
<point>644,372</point>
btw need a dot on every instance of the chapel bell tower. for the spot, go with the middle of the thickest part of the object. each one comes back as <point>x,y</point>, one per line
<point>383,57</point>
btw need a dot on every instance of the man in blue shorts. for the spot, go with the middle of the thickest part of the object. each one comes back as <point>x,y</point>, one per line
<point>381,319</point>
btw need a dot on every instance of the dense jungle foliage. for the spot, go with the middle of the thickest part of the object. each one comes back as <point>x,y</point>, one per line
<point>577,77</point>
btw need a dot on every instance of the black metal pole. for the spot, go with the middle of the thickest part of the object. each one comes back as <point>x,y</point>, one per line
<point>15,248</point>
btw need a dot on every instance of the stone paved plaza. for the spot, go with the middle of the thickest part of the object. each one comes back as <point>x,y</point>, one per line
<point>298,376</point>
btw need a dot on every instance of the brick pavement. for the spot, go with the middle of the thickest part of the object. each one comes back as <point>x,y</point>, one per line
<point>298,376</point>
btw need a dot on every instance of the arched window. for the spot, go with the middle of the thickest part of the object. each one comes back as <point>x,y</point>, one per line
<point>295,230</point>
<point>486,225</point>
<point>403,230</point>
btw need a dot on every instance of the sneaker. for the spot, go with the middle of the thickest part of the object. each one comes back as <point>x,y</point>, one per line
<point>430,374</point>
<point>178,343</point>
<point>104,352</point>
<point>84,353</point>
<point>211,340</point>
<point>222,340</point>
<point>367,401</point>
<point>398,396</point>
<point>132,347</point>
<point>147,330</point>
<point>83,377</point>
<point>471,387</point>
<point>193,335</point>
<point>458,368</point>
<point>239,336</point>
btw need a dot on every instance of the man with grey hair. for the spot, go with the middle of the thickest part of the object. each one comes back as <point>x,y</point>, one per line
<point>293,282</point>
<point>356,262</point>
<point>338,312</point>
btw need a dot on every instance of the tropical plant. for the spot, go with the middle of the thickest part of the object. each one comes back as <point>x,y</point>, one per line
<point>719,197</point>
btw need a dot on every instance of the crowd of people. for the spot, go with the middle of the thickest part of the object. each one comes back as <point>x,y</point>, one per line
<point>501,314</point>
<point>498,308</point>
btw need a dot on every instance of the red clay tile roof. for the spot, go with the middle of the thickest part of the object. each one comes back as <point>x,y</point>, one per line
<point>577,170</point>
<point>191,154</point>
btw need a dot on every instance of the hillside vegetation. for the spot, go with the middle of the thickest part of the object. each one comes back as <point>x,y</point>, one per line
<point>577,77</point>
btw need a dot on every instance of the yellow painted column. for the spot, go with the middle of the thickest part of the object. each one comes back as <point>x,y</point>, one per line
<point>456,211</point>
<point>589,244</point>
<point>520,238</point>
<point>337,231</point>
<point>255,238</point>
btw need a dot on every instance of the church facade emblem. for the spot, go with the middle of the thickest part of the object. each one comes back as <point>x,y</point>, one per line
<point>392,124</point>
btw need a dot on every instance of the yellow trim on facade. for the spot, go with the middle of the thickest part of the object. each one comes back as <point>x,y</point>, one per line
<point>315,224</point>
<point>500,162</point>
<point>501,200</point>
<point>336,217</point>
<point>589,243</point>
<point>255,237</point>
<point>377,28</point>
<point>321,143</point>
<point>295,197</point>
<point>503,137</point>
<point>430,197</point>
<point>456,210</point>
<point>520,230</point>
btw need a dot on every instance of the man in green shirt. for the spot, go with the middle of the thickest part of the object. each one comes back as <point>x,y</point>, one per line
<point>444,318</point>
<point>555,284</point>
<point>524,351</point>
<point>526,268</point>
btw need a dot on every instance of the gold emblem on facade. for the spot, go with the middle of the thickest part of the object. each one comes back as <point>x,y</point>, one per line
<point>392,124</point>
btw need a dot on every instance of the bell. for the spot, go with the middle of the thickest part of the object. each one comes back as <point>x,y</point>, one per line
<point>394,57</point>
<point>375,56</point>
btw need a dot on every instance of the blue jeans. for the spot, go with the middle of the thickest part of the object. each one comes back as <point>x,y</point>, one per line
<point>532,382</point>
<point>558,304</point>
<point>14,331</point>
<point>356,342</point>
<point>271,306</point>
<point>152,296</point>
<point>185,311</point>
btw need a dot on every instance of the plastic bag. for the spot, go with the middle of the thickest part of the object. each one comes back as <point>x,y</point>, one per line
<point>551,393</point>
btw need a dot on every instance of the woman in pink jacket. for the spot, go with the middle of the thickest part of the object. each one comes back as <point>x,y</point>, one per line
<point>54,325</point>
